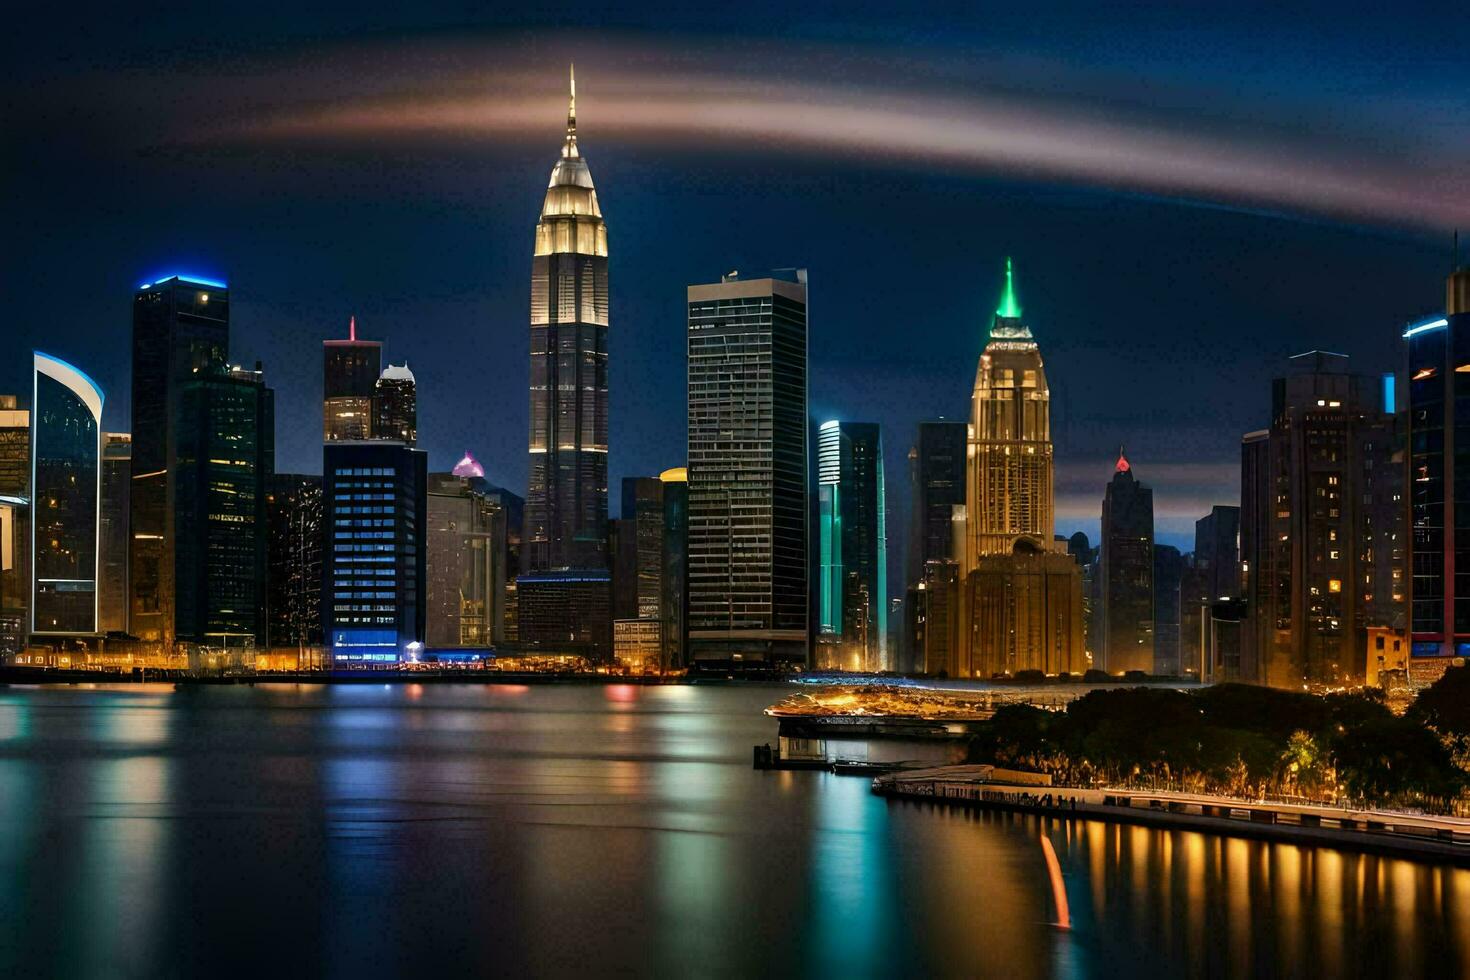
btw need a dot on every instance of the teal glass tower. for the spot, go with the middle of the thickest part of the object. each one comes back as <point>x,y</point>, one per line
<point>853,545</point>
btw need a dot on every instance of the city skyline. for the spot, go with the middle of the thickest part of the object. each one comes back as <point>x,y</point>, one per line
<point>427,250</point>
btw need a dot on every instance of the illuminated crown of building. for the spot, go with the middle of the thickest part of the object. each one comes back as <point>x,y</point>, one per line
<point>571,220</point>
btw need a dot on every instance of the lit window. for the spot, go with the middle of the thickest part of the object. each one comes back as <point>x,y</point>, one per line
<point>1334,585</point>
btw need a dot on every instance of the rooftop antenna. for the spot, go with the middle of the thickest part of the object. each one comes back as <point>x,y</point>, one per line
<point>352,328</point>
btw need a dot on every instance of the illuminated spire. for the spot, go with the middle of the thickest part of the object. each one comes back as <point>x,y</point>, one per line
<point>1122,466</point>
<point>1009,308</point>
<point>352,328</point>
<point>569,150</point>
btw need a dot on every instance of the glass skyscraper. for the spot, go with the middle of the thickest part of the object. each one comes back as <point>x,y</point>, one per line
<point>395,405</point>
<point>117,480</point>
<point>294,557</point>
<point>1127,569</point>
<point>852,529</point>
<point>748,514</point>
<point>1439,482</point>
<point>15,538</point>
<point>66,489</point>
<point>374,552</point>
<point>565,544</point>
<point>181,326</point>
<point>225,441</point>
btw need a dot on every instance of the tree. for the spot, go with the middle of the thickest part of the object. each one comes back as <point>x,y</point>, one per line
<point>1445,704</point>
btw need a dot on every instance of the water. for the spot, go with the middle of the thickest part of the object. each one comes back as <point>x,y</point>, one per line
<point>356,831</point>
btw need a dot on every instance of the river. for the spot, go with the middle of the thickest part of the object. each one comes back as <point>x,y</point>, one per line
<point>443,830</point>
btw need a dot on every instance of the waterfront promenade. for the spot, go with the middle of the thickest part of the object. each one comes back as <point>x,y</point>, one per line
<point>1413,835</point>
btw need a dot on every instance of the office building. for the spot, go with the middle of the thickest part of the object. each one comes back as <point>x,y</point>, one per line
<point>565,536</point>
<point>66,482</point>
<point>15,537</point>
<point>117,482</point>
<point>1009,488</point>
<point>1169,570</point>
<point>373,578</point>
<point>674,582</point>
<point>294,556</point>
<point>395,406</point>
<point>748,500</point>
<point>636,645</point>
<point>181,326</point>
<point>225,451</point>
<point>1025,613</point>
<point>1439,483</point>
<point>1321,501</point>
<point>1126,567</point>
<point>350,372</point>
<point>1217,551</point>
<point>466,563</point>
<point>937,481</point>
<point>852,530</point>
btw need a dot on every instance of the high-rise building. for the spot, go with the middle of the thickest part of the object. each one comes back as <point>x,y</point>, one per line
<point>937,477</point>
<point>1217,551</point>
<point>15,538</point>
<point>748,515</point>
<point>1026,611</point>
<point>1321,501</point>
<point>66,469</point>
<point>350,372</point>
<point>117,482</point>
<point>294,556</point>
<point>373,567</point>
<point>674,582</point>
<point>395,405</point>
<point>225,440</point>
<point>852,529</point>
<point>466,563</point>
<point>565,546</point>
<point>514,507</point>
<point>181,326</point>
<point>1169,569</point>
<point>1009,489</point>
<point>1439,482</point>
<point>1127,570</point>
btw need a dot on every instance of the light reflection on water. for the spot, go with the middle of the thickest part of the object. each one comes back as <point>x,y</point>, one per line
<point>441,830</point>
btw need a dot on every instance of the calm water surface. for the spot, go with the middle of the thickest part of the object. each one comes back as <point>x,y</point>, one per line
<point>355,831</point>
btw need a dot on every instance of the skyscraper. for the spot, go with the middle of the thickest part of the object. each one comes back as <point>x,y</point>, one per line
<point>674,595</point>
<point>565,546</point>
<point>1323,514</point>
<point>1009,490</point>
<point>374,550</point>
<point>1127,570</point>
<point>937,469</point>
<point>66,483</point>
<point>15,537</point>
<point>513,505</point>
<point>226,455</point>
<point>181,326</point>
<point>1439,487</point>
<point>294,557</point>
<point>1217,551</point>
<point>350,372</point>
<point>1168,609</point>
<point>466,564</point>
<point>117,480</point>
<point>852,527</point>
<point>395,405</point>
<point>747,346</point>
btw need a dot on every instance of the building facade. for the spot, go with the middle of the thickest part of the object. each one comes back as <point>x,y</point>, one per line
<point>937,469</point>
<point>66,484</point>
<point>396,406</point>
<point>1025,614</point>
<point>181,326</point>
<point>117,482</point>
<point>853,535</point>
<point>1169,571</point>
<point>1321,502</point>
<point>748,498</point>
<point>373,566</point>
<point>15,537</point>
<point>1126,565</point>
<point>466,564</point>
<point>350,372</point>
<point>293,505</point>
<point>225,452</point>
<point>1439,482</point>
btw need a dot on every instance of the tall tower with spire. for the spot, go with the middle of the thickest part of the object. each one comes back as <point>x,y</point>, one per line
<point>1009,493</point>
<point>566,499</point>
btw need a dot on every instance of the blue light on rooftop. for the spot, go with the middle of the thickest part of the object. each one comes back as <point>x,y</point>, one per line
<point>185,277</point>
<point>1427,325</point>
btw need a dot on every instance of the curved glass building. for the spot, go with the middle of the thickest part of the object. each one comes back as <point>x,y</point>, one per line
<point>66,485</point>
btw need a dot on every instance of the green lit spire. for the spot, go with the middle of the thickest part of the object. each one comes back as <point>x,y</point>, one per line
<point>1009,308</point>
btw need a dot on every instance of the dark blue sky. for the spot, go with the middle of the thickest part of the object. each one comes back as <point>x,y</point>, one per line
<point>1188,199</point>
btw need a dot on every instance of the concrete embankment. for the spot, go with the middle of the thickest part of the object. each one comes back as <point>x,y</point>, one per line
<point>1416,836</point>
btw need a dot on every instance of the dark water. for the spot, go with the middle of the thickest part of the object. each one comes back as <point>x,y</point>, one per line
<point>443,831</point>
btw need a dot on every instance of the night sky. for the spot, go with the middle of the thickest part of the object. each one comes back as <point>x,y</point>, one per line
<point>1189,197</point>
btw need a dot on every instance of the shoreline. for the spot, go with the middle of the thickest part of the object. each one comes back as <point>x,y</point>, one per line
<point>1400,835</point>
<point>21,676</point>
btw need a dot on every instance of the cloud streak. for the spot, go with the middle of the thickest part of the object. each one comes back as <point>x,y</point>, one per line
<point>902,111</point>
